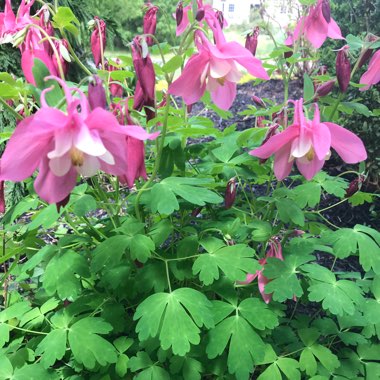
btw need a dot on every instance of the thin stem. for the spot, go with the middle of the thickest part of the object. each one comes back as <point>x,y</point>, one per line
<point>328,208</point>
<point>168,275</point>
<point>25,330</point>
<point>10,109</point>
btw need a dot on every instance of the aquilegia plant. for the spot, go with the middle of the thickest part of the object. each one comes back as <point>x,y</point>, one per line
<point>163,232</point>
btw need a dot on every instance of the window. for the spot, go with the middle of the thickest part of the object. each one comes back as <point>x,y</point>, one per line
<point>231,8</point>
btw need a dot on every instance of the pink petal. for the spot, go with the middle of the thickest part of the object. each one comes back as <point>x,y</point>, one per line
<point>25,149</point>
<point>88,141</point>
<point>185,21</point>
<point>310,169</point>
<point>52,188</point>
<point>372,75</point>
<point>219,68</point>
<point>60,166</point>
<point>302,144</point>
<point>282,162</point>
<point>334,31</point>
<point>321,140</point>
<point>224,95</point>
<point>276,142</point>
<point>189,85</point>
<point>27,63</point>
<point>90,166</point>
<point>316,27</point>
<point>349,146</point>
<point>250,277</point>
<point>262,281</point>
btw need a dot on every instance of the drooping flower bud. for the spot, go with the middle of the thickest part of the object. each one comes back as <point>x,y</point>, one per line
<point>367,53</point>
<point>179,13</point>
<point>116,89</point>
<point>200,14</point>
<point>258,101</point>
<point>355,186</point>
<point>63,56</point>
<point>326,10</point>
<point>325,88</point>
<point>98,40</point>
<point>230,194</point>
<point>2,197</point>
<point>251,40</point>
<point>47,26</point>
<point>150,22</point>
<point>96,93</point>
<point>343,68</point>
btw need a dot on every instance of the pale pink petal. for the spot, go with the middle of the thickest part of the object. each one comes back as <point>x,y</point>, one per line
<point>349,146</point>
<point>90,166</point>
<point>311,168</point>
<point>88,141</point>
<point>60,166</point>
<point>107,158</point>
<point>219,67</point>
<point>321,140</point>
<point>301,145</point>
<point>224,95</point>
<point>25,149</point>
<point>276,142</point>
<point>139,133</point>
<point>334,31</point>
<point>190,85</point>
<point>52,188</point>
<point>282,162</point>
<point>63,143</point>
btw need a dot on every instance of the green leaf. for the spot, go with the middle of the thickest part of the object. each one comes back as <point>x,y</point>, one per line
<point>141,248</point>
<point>234,261</point>
<point>258,314</point>
<point>6,369</point>
<point>308,362</point>
<point>87,346</point>
<point>34,372</point>
<point>163,200</point>
<point>308,194</point>
<point>64,19</point>
<point>339,297</point>
<point>165,314</point>
<point>246,348</point>
<point>271,373</point>
<point>121,366</point>
<point>60,275</point>
<point>285,284</point>
<point>52,347</point>
<point>85,204</point>
<point>360,198</point>
<point>190,368</point>
<point>173,64</point>
<point>262,231</point>
<point>109,252</point>
<point>325,356</point>
<point>153,373</point>
<point>308,87</point>
<point>289,211</point>
<point>332,185</point>
<point>290,368</point>
<point>354,42</point>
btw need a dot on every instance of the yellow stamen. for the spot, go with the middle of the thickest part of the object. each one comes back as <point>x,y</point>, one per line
<point>221,81</point>
<point>310,154</point>
<point>76,156</point>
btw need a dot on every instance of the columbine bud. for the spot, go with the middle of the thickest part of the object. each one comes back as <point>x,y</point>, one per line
<point>367,54</point>
<point>220,17</point>
<point>2,197</point>
<point>343,68</point>
<point>258,101</point>
<point>47,26</point>
<point>179,13</point>
<point>63,56</point>
<point>271,132</point>
<point>325,88</point>
<point>355,186</point>
<point>326,10</point>
<point>252,40</point>
<point>98,40</point>
<point>230,194</point>
<point>260,121</point>
<point>150,22</point>
<point>200,14</point>
<point>96,93</point>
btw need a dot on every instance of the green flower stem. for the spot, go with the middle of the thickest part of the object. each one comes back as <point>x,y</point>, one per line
<point>25,330</point>
<point>330,207</point>
<point>10,109</point>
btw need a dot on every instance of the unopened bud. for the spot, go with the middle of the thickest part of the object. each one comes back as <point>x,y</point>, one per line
<point>325,88</point>
<point>2,197</point>
<point>258,101</point>
<point>96,93</point>
<point>230,194</point>
<point>367,53</point>
<point>355,186</point>
<point>326,10</point>
<point>343,68</point>
<point>200,14</point>
<point>251,40</point>
<point>179,13</point>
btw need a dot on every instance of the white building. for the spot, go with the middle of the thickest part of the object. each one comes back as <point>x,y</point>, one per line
<point>238,11</point>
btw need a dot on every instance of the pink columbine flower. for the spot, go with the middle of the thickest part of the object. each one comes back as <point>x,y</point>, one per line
<point>252,40</point>
<point>62,145</point>
<point>98,40</point>
<point>275,250</point>
<point>372,75</point>
<point>215,68</point>
<point>317,26</point>
<point>308,143</point>
<point>150,22</point>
